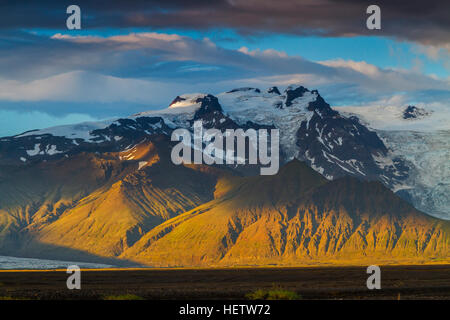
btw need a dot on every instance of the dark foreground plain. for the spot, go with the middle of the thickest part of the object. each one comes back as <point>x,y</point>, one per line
<point>397,282</point>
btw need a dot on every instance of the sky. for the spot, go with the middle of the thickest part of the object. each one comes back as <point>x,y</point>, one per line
<point>138,56</point>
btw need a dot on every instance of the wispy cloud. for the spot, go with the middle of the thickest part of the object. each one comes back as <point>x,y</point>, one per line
<point>152,68</point>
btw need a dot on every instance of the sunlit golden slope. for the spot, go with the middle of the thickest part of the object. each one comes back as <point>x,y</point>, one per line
<point>294,218</point>
<point>109,221</point>
<point>99,204</point>
<point>34,195</point>
<point>136,205</point>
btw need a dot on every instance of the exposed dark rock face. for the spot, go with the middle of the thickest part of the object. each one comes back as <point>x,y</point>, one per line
<point>413,112</point>
<point>339,146</point>
<point>131,131</point>
<point>176,100</point>
<point>274,90</point>
<point>115,137</point>
<point>212,116</point>
<point>209,104</point>
<point>332,144</point>
<point>320,106</point>
<point>292,94</point>
<point>245,89</point>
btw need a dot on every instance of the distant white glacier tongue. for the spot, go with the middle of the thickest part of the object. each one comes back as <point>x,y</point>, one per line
<point>421,137</point>
<point>428,184</point>
<point>13,263</point>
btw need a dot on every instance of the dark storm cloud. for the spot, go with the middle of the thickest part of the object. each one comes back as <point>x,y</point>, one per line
<point>426,22</point>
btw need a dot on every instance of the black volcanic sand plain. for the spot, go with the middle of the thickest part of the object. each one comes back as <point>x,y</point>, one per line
<point>397,282</point>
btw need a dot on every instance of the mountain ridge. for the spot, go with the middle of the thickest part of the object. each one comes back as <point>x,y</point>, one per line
<point>109,190</point>
<point>296,231</point>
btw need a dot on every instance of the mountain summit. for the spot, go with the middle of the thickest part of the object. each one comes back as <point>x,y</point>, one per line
<point>295,218</point>
<point>108,190</point>
<point>332,141</point>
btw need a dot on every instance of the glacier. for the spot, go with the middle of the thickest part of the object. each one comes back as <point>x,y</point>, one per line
<point>408,154</point>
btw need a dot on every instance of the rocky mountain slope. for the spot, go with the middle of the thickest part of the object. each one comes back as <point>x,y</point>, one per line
<point>109,189</point>
<point>97,204</point>
<point>310,130</point>
<point>297,217</point>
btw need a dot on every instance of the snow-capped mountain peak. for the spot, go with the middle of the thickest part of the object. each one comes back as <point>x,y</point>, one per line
<point>413,112</point>
<point>274,90</point>
<point>356,141</point>
<point>187,101</point>
<point>293,92</point>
